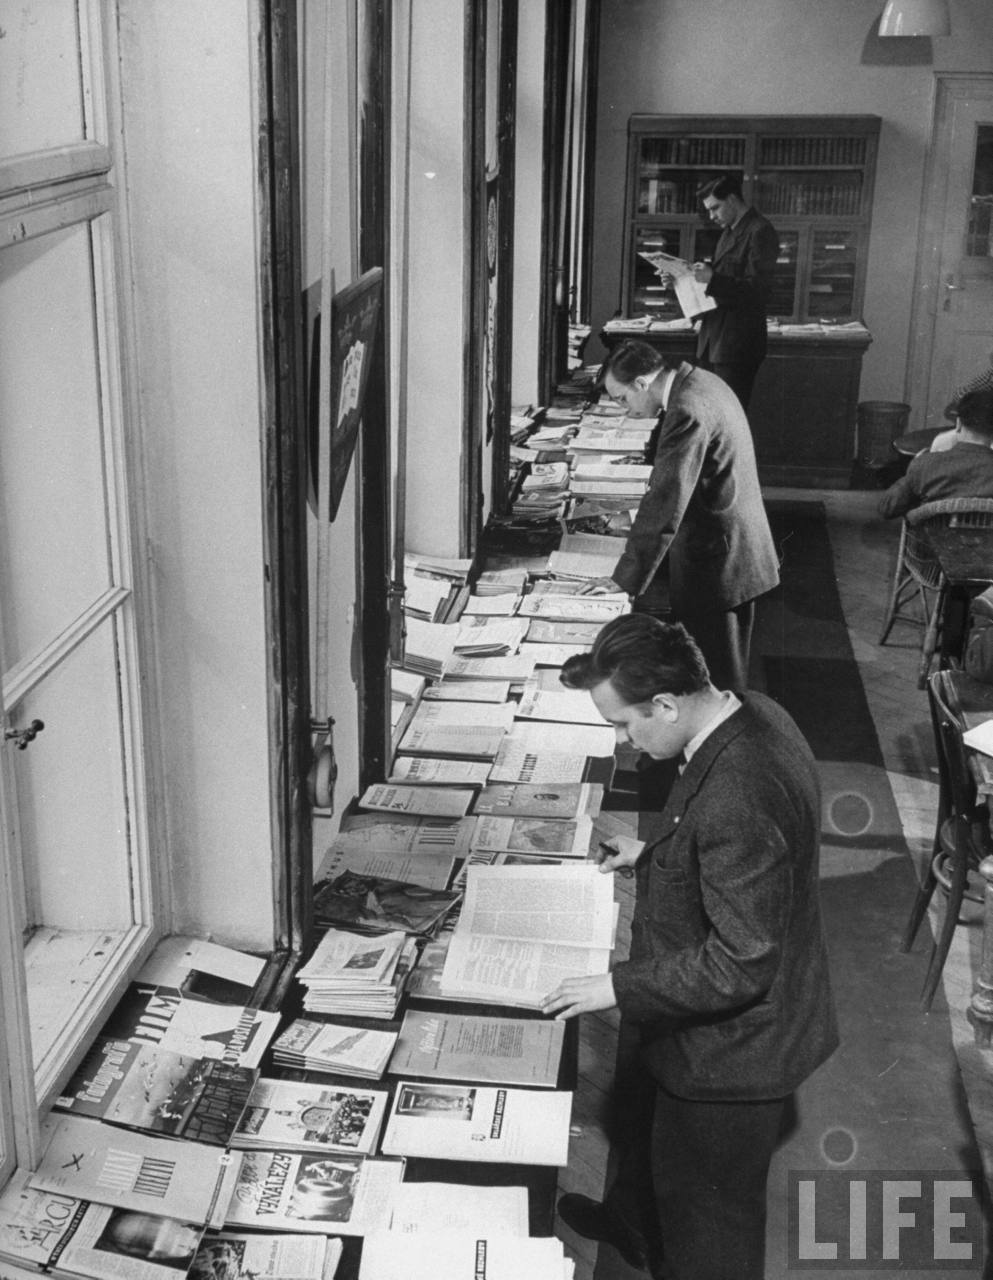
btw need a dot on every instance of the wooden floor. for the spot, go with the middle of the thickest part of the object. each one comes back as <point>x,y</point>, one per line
<point>864,550</point>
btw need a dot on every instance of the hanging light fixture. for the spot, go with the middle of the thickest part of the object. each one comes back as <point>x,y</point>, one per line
<point>915,18</point>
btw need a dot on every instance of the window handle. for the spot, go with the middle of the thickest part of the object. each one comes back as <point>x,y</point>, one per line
<point>24,736</point>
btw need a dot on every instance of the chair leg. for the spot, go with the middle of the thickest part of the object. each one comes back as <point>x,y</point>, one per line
<point>931,637</point>
<point>900,577</point>
<point>943,942</point>
<point>925,891</point>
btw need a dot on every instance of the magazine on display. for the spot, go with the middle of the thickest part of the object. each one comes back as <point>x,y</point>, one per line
<point>520,800</point>
<point>341,1194</point>
<point>162,1016</point>
<point>232,1255</point>
<point>375,905</point>
<point>459,1046</point>
<point>340,1050</point>
<point>458,1206</point>
<point>293,1115</point>
<point>430,867</point>
<point>553,837</point>
<point>478,1123</point>
<point>142,1087</point>
<point>43,1231</point>
<point>90,1160</point>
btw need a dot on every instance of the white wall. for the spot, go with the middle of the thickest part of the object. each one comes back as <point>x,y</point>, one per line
<point>190,142</point>
<point>527,202</point>
<point>785,57</point>
<point>437,324</point>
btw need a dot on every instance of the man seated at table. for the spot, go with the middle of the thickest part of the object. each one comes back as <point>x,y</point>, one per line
<point>982,382</point>
<point>963,471</point>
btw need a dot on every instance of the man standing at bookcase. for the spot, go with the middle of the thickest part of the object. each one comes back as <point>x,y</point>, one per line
<point>732,338</point>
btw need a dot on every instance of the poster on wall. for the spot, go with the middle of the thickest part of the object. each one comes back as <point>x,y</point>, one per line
<point>355,312</point>
<point>492,258</point>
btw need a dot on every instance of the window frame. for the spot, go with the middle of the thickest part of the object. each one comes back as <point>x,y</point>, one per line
<point>43,192</point>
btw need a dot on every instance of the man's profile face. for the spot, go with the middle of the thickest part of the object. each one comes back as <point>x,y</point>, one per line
<point>635,397</point>
<point>720,211</point>
<point>652,727</point>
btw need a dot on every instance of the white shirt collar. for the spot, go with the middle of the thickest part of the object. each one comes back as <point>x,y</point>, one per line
<point>667,376</point>
<point>731,703</point>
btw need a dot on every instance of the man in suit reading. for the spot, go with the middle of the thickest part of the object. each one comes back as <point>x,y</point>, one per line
<point>702,511</point>
<point>727,980</point>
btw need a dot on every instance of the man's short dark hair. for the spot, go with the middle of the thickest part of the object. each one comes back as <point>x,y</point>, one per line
<point>975,411</point>
<point>633,359</point>
<point>726,184</point>
<point>640,656</point>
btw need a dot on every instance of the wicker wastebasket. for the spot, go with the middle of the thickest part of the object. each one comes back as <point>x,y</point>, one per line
<point>879,424</point>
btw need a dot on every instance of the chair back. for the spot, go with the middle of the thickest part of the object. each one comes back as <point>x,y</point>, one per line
<point>958,533</point>
<point>958,787</point>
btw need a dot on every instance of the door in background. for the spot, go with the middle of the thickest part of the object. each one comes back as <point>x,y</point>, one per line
<point>953,313</point>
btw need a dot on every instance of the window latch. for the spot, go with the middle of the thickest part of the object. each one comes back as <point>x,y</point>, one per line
<point>24,736</point>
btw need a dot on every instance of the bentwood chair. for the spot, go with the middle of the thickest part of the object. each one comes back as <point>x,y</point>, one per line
<point>956,534</point>
<point>961,838</point>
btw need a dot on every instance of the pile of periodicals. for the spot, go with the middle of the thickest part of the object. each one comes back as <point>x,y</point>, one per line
<point>143,1170</point>
<point>352,974</point>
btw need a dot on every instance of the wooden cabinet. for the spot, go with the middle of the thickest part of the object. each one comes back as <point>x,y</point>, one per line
<point>811,176</point>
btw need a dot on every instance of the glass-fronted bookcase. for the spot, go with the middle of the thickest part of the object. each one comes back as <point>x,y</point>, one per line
<point>812,177</point>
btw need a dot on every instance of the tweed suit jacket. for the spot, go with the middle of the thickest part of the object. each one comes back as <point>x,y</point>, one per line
<point>703,507</point>
<point>744,264</point>
<point>728,974</point>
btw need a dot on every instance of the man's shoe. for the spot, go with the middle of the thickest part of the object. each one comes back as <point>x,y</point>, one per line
<point>591,1220</point>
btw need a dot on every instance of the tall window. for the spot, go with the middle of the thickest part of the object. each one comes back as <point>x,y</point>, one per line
<point>74,853</point>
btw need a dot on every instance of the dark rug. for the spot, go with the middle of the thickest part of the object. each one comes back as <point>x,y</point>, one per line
<point>890,1102</point>
<point>802,657</point>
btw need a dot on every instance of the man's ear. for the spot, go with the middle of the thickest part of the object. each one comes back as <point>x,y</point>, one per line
<point>667,706</point>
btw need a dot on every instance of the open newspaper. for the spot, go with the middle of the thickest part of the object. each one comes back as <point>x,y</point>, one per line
<point>522,929</point>
<point>692,296</point>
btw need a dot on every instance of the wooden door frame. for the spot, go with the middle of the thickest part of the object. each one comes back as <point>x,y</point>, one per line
<point>949,88</point>
<point>284,448</point>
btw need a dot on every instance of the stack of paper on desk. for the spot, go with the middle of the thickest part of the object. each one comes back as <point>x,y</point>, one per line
<point>233,1255</point>
<point>462,1046</point>
<point>435,770</point>
<point>65,1236</point>
<point>511,667</point>
<point>454,690</point>
<point>463,1255</point>
<point>434,802</point>
<point>428,645</point>
<point>357,996</point>
<point>489,637</point>
<point>522,930</point>
<point>326,1046</point>
<point>477,1123</point>
<point>588,609</point>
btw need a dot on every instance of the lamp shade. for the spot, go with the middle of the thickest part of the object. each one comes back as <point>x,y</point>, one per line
<point>915,18</point>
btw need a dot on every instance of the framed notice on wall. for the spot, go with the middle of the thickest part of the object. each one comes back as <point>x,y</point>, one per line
<point>345,361</point>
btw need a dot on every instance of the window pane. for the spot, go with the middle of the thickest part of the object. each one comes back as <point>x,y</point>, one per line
<point>41,88</point>
<point>832,275</point>
<point>54,558</point>
<point>74,824</point>
<point>979,240</point>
